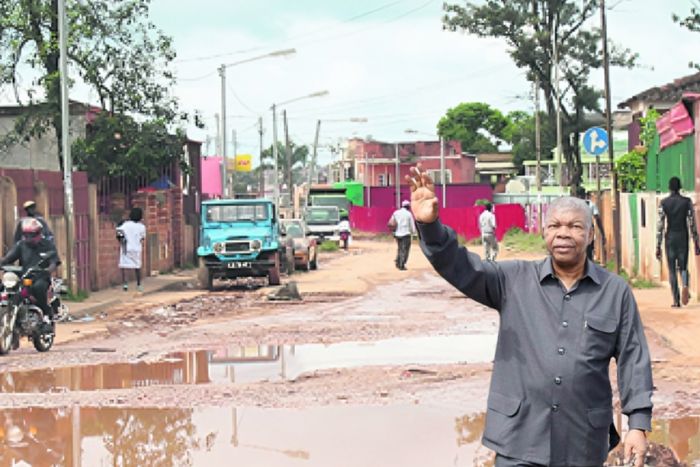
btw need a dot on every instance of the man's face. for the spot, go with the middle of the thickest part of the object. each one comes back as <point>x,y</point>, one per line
<point>567,237</point>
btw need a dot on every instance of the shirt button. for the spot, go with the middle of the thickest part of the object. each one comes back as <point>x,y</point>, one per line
<point>567,297</point>
<point>557,380</point>
<point>561,350</point>
<point>565,324</point>
<point>555,407</point>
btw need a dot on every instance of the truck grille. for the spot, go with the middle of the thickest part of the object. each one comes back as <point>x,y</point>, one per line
<point>237,247</point>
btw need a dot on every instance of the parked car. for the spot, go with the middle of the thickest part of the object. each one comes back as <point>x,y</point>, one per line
<point>305,248</point>
<point>240,238</point>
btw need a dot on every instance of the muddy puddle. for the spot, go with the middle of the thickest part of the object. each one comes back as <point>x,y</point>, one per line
<point>405,435</point>
<point>254,364</point>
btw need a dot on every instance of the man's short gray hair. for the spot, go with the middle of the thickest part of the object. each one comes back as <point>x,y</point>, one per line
<point>569,203</point>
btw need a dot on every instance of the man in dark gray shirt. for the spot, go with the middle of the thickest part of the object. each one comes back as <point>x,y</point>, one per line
<point>562,320</point>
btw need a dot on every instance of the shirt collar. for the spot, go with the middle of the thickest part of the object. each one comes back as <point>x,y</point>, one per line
<point>546,270</point>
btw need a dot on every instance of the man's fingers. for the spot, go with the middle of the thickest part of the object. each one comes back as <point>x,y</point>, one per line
<point>628,453</point>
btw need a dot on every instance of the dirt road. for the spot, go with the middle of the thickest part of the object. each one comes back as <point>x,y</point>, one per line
<point>375,366</point>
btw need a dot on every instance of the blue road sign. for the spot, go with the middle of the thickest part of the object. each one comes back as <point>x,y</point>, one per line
<point>595,141</point>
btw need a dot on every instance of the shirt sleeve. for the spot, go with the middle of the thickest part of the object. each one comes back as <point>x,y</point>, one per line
<point>12,255</point>
<point>479,280</point>
<point>634,366</point>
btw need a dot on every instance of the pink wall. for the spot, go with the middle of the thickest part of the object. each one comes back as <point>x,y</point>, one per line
<point>211,176</point>
<point>463,220</point>
<point>458,196</point>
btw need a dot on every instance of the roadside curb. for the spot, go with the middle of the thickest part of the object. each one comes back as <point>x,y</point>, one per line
<point>91,309</point>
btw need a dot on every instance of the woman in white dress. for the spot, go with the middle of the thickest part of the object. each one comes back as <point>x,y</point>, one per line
<point>131,235</point>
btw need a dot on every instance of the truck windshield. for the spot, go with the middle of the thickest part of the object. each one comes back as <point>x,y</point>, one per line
<point>322,215</point>
<point>339,201</point>
<point>237,213</point>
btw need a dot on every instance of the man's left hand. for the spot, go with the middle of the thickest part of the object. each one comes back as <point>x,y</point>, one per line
<point>635,447</point>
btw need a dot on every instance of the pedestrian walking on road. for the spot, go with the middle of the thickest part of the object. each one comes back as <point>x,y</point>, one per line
<point>676,218</point>
<point>131,235</point>
<point>487,226</point>
<point>562,320</point>
<point>401,222</point>
<point>31,212</point>
<point>595,213</point>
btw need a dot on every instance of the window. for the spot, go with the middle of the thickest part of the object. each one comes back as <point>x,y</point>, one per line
<point>237,213</point>
<point>435,175</point>
<point>385,179</point>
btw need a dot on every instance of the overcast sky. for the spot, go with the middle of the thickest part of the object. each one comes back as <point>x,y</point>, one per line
<point>387,61</point>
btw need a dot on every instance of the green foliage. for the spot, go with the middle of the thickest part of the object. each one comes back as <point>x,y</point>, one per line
<point>517,240</point>
<point>113,49</point>
<point>692,23</point>
<point>482,202</point>
<point>648,127</point>
<point>639,283</point>
<point>521,134</point>
<point>476,125</point>
<point>632,172</point>
<point>118,145</point>
<point>329,247</point>
<point>527,28</point>
<point>299,159</point>
<point>79,296</point>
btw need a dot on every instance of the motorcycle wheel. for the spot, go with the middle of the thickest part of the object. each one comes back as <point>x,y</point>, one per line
<point>42,342</point>
<point>5,334</point>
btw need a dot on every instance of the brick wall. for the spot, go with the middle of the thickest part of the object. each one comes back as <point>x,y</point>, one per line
<point>165,237</point>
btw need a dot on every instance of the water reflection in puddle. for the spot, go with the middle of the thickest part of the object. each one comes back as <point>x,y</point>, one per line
<point>254,364</point>
<point>340,436</point>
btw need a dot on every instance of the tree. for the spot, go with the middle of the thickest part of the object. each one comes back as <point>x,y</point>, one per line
<point>119,146</point>
<point>299,159</point>
<point>692,23</point>
<point>530,29</point>
<point>521,134</point>
<point>113,47</point>
<point>476,125</point>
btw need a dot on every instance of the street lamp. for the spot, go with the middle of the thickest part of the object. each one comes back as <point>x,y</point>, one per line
<point>222,74</point>
<point>442,163</point>
<point>318,131</point>
<point>276,192</point>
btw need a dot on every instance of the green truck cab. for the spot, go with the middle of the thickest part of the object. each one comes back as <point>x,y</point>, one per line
<point>241,238</point>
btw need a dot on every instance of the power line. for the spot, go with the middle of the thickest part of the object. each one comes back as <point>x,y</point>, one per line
<point>294,38</point>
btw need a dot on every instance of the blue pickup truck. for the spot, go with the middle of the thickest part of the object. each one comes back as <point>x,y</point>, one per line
<point>241,238</point>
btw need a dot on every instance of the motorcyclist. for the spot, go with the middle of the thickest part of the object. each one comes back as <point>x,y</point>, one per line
<point>31,250</point>
<point>30,210</point>
<point>344,229</point>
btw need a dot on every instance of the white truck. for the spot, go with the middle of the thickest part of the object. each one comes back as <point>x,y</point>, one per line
<point>322,222</point>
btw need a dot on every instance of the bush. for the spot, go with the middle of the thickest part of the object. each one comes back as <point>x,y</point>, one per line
<point>329,246</point>
<point>518,240</point>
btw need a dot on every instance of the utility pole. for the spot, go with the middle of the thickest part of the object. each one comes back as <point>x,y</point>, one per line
<point>262,165</point>
<point>557,91</point>
<point>288,154</point>
<point>313,157</point>
<point>232,175</point>
<point>218,135</point>
<point>615,198</point>
<point>442,172</point>
<point>398,171</point>
<point>368,181</point>
<point>65,148</point>
<point>224,164</point>
<point>538,152</point>
<point>275,155</point>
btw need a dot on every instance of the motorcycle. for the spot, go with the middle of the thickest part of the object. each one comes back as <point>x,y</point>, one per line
<point>19,313</point>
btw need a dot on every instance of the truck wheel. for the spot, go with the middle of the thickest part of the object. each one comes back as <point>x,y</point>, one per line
<point>273,275</point>
<point>206,278</point>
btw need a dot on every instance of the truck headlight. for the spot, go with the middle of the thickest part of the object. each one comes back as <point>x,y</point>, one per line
<point>218,247</point>
<point>10,280</point>
<point>256,244</point>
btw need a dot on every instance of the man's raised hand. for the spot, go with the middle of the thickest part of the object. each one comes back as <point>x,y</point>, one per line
<point>424,203</point>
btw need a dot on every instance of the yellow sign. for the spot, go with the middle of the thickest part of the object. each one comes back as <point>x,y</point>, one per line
<point>244,163</point>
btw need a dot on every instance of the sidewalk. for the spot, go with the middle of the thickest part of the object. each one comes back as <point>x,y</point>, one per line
<point>103,299</point>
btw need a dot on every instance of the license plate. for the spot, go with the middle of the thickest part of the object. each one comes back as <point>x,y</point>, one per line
<point>238,265</point>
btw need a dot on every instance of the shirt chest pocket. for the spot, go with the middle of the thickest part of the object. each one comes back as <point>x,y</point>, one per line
<point>599,336</point>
